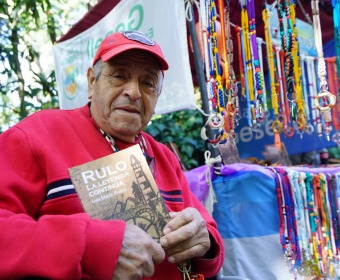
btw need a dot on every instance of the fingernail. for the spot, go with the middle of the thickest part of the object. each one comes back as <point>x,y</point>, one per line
<point>163,241</point>
<point>166,231</point>
<point>171,260</point>
<point>172,214</point>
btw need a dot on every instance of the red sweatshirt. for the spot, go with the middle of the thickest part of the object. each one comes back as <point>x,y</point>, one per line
<point>44,231</point>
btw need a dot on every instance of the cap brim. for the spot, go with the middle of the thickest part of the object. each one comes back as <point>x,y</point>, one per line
<point>120,49</point>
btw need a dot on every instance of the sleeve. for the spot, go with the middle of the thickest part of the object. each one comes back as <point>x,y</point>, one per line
<point>52,246</point>
<point>211,265</point>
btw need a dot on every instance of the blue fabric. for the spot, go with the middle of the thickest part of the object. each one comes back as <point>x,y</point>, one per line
<point>329,48</point>
<point>246,205</point>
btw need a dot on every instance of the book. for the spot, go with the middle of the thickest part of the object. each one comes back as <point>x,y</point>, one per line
<point>121,186</point>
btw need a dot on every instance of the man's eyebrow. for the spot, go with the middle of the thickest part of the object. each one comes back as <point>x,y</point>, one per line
<point>153,71</point>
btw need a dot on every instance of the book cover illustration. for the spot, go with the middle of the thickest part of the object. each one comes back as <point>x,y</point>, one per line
<point>120,186</point>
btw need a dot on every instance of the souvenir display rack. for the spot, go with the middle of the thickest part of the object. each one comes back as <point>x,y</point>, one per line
<point>301,93</point>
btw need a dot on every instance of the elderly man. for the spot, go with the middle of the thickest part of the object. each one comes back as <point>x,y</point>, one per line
<point>44,230</point>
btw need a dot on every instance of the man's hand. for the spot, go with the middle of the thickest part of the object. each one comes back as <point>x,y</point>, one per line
<point>185,236</point>
<point>138,255</point>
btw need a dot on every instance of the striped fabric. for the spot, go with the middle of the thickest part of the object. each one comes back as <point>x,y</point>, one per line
<point>64,187</point>
<point>247,216</point>
<point>60,188</point>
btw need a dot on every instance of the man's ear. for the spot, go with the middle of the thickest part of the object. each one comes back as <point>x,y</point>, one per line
<point>90,80</point>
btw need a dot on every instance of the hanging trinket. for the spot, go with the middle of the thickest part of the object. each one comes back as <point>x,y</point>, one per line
<point>324,100</point>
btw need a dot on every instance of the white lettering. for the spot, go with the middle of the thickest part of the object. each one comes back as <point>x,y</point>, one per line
<point>259,134</point>
<point>246,134</point>
<point>269,128</point>
<point>104,190</point>
<point>90,175</point>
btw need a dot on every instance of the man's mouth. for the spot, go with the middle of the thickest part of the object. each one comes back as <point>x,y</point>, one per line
<point>129,109</point>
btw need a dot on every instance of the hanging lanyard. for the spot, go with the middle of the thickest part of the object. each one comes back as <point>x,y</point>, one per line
<point>287,44</point>
<point>241,58</point>
<point>276,125</point>
<point>336,19</point>
<point>313,92</point>
<point>247,84</point>
<point>257,77</point>
<point>309,126</point>
<point>264,95</point>
<point>300,100</point>
<point>328,98</point>
<point>332,82</point>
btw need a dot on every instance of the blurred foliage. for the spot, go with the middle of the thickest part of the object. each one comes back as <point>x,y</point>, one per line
<point>28,30</point>
<point>182,128</point>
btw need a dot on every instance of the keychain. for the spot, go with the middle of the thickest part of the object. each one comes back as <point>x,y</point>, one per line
<point>185,268</point>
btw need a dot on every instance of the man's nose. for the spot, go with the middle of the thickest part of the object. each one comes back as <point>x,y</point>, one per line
<point>132,90</point>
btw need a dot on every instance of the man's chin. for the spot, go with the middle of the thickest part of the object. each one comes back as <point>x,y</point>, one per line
<point>127,131</point>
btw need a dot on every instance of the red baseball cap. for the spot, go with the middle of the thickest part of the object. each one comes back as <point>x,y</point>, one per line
<point>117,43</point>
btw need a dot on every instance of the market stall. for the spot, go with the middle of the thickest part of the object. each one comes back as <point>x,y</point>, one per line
<point>277,222</point>
<point>269,89</point>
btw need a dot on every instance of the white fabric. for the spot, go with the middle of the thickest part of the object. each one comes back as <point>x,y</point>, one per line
<point>256,258</point>
<point>162,20</point>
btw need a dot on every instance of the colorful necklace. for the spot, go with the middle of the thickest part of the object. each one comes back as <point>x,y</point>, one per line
<point>276,125</point>
<point>311,73</point>
<point>336,19</point>
<point>287,128</point>
<point>257,73</point>
<point>241,60</point>
<point>300,101</point>
<point>231,110</point>
<point>309,126</point>
<point>288,228</point>
<point>215,85</point>
<point>287,44</point>
<point>248,70</point>
<point>334,87</point>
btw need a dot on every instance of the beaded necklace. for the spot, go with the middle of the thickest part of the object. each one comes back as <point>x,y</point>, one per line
<point>248,70</point>
<point>282,210</point>
<point>331,211</point>
<point>288,228</point>
<point>336,19</point>
<point>308,209</point>
<point>333,87</point>
<point>309,126</point>
<point>257,73</point>
<point>231,111</point>
<point>239,36</point>
<point>287,128</point>
<point>287,44</point>
<point>260,42</point>
<point>300,101</point>
<point>316,121</point>
<point>335,191</point>
<point>304,224</point>
<point>215,68</point>
<point>301,237</point>
<point>323,206</point>
<point>224,46</point>
<point>215,84</point>
<point>276,125</point>
<point>285,98</point>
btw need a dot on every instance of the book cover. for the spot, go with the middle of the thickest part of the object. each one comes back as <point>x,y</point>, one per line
<point>120,186</point>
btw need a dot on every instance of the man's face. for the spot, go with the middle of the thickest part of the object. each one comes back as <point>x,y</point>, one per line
<point>124,97</point>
